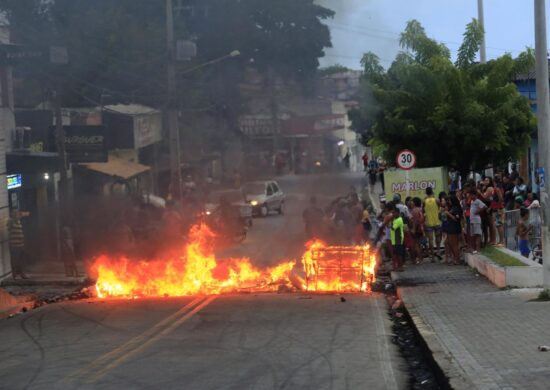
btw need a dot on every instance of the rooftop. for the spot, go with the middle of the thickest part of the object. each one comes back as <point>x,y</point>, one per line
<point>131,109</point>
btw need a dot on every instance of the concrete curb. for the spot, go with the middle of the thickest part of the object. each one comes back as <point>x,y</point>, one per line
<point>458,379</point>
<point>44,282</point>
<point>526,276</point>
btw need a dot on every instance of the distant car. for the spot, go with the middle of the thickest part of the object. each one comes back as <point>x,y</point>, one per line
<point>264,197</point>
<point>237,201</point>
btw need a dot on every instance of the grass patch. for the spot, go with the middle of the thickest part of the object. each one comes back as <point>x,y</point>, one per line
<point>501,258</point>
<point>544,296</point>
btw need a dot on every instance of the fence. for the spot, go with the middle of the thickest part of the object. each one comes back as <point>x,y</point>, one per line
<point>511,219</point>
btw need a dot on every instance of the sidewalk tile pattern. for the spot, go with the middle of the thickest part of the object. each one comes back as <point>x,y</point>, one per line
<point>489,335</point>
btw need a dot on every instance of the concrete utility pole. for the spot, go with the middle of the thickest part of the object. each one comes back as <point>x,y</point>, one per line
<point>171,112</point>
<point>60,142</point>
<point>481,19</point>
<point>543,117</point>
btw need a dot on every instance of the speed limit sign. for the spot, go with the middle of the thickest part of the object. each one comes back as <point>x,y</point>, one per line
<point>406,159</point>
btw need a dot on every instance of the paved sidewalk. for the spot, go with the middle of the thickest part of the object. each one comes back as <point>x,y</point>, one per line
<point>482,337</point>
<point>47,273</point>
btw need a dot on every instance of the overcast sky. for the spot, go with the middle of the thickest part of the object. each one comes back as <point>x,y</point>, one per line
<point>374,25</point>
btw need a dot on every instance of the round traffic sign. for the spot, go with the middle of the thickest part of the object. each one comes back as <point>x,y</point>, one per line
<point>406,159</point>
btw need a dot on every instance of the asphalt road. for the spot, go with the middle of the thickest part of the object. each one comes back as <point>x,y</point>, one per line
<point>255,341</point>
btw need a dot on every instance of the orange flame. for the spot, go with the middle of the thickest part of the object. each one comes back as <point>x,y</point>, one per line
<point>194,269</point>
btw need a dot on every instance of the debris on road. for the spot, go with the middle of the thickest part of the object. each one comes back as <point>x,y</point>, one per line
<point>398,304</point>
<point>544,348</point>
<point>194,269</point>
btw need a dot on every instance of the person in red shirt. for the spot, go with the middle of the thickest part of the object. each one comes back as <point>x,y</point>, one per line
<point>365,159</point>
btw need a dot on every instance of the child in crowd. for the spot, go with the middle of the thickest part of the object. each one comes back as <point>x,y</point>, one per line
<point>523,230</point>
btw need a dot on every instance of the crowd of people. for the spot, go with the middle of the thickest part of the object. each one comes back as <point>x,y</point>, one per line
<point>438,227</point>
<point>467,219</point>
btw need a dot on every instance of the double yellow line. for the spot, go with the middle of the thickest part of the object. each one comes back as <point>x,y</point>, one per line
<point>109,361</point>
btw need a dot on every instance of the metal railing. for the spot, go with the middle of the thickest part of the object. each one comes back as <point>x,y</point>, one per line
<point>511,219</point>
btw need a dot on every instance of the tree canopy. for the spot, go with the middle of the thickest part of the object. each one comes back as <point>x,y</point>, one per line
<point>464,114</point>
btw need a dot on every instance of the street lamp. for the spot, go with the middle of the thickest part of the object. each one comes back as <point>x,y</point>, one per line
<point>233,54</point>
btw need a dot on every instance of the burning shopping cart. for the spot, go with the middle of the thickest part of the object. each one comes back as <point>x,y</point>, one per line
<point>339,268</point>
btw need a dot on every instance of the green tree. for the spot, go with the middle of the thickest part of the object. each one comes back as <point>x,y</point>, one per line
<point>466,115</point>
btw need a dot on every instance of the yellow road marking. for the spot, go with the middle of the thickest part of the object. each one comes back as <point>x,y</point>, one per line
<point>100,374</point>
<point>132,343</point>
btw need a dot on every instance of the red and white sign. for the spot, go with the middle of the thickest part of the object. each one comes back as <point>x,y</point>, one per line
<point>406,159</point>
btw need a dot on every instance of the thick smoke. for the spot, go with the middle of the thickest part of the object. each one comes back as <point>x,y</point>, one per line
<point>358,27</point>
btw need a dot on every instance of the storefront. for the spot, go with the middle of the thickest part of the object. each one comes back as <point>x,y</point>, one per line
<point>32,186</point>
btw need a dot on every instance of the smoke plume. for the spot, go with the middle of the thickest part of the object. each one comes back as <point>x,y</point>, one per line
<point>358,27</point>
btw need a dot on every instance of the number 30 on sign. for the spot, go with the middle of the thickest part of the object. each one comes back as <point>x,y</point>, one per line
<point>406,159</point>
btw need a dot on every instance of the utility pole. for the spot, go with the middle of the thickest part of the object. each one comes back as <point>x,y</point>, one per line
<point>481,19</point>
<point>543,117</point>
<point>60,143</point>
<point>171,112</point>
<point>274,108</point>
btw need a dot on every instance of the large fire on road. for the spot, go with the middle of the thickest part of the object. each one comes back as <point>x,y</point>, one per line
<point>195,270</point>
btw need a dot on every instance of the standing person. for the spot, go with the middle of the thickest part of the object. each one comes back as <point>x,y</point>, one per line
<point>279,163</point>
<point>172,224</point>
<point>236,179</point>
<point>507,189</point>
<point>498,209</point>
<point>522,231</point>
<point>465,203</point>
<point>365,159</point>
<point>346,159</point>
<point>489,197</point>
<point>381,172</point>
<point>443,208</point>
<point>397,239</point>
<point>385,229</point>
<point>520,189</point>
<point>313,219</point>
<point>366,222</point>
<point>17,243</point>
<point>455,180</point>
<point>67,251</point>
<point>432,223</point>
<point>454,228</point>
<point>403,209</point>
<point>476,207</point>
<point>406,216</point>
<point>417,229</point>
<point>514,174</point>
<point>373,171</point>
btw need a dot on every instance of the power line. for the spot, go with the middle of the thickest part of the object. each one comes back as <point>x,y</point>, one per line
<point>367,32</point>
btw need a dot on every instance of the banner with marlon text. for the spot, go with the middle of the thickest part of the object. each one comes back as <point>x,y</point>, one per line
<point>395,181</point>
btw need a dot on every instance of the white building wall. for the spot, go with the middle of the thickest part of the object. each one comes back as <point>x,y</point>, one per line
<point>349,137</point>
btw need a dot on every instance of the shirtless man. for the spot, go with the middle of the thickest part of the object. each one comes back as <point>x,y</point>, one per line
<point>523,230</point>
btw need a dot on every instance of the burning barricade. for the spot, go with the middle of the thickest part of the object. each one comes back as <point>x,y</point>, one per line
<point>338,268</point>
<point>194,270</point>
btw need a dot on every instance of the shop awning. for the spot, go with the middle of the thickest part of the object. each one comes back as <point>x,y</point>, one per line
<point>118,167</point>
<point>26,162</point>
